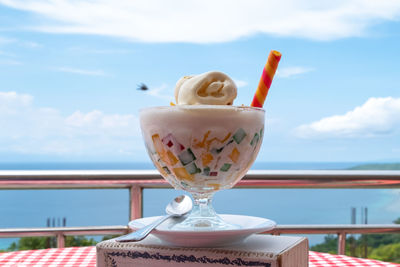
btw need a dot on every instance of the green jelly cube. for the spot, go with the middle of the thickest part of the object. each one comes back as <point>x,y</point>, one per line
<point>225,167</point>
<point>186,157</point>
<point>206,171</point>
<point>192,168</point>
<point>255,139</point>
<point>239,135</point>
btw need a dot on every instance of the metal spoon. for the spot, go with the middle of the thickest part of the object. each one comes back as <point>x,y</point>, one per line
<point>178,207</point>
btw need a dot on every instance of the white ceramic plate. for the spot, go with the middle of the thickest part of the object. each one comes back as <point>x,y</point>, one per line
<point>248,225</point>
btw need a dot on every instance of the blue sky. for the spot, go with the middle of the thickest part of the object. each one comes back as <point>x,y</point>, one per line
<point>69,72</point>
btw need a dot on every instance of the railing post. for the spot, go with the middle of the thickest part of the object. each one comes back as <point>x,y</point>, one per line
<point>60,240</point>
<point>135,205</point>
<point>341,243</point>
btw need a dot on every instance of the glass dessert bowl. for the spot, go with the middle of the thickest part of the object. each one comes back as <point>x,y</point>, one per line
<point>202,149</point>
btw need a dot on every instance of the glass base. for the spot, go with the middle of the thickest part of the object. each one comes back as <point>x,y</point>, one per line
<point>204,224</point>
<point>203,218</point>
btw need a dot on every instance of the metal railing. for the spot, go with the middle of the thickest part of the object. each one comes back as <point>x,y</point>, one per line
<point>137,180</point>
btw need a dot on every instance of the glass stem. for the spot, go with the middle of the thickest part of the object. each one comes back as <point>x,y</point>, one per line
<point>202,206</point>
<point>203,216</point>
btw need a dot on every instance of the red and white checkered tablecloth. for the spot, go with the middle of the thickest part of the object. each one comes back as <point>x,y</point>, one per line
<point>68,257</point>
<point>86,256</point>
<point>317,259</point>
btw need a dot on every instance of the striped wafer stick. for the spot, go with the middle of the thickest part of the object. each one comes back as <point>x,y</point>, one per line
<point>266,79</point>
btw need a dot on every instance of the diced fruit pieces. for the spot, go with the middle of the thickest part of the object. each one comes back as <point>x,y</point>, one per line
<point>168,140</point>
<point>234,156</point>
<point>157,143</point>
<point>206,158</point>
<point>192,168</point>
<point>186,157</point>
<point>172,159</point>
<point>225,167</point>
<point>182,174</point>
<point>160,168</point>
<point>255,139</point>
<point>173,144</point>
<point>158,146</point>
<point>206,171</point>
<point>239,135</point>
<point>166,170</point>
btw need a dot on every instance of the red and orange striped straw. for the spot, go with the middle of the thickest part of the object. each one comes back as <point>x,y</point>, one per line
<point>266,79</point>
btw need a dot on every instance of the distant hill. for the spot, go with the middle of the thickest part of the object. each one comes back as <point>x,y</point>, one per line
<point>377,166</point>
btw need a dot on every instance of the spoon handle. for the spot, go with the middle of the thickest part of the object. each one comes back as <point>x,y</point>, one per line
<point>142,232</point>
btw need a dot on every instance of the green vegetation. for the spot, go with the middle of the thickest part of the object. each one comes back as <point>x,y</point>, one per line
<point>390,253</point>
<point>377,166</point>
<point>329,245</point>
<point>384,247</point>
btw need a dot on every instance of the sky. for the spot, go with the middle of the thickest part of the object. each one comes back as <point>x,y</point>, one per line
<point>69,72</point>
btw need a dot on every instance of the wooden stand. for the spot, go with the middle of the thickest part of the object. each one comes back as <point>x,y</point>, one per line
<point>257,250</point>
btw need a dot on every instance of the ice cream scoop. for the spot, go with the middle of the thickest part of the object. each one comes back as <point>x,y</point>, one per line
<point>210,88</point>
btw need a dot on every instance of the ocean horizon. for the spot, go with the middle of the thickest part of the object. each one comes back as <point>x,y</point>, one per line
<point>84,207</point>
<point>146,165</point>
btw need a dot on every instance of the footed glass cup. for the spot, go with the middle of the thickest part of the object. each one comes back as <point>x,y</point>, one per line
<point>202,149</point>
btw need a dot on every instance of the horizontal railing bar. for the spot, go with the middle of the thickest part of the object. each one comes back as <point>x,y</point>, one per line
<point>67,231</point>
<point>280,229</point>
<point>116,184</point>
<point>79,174</point>
<point>151,179</point>
<point>154,175</point>
<point>82,184</point>
<point>337,229</point>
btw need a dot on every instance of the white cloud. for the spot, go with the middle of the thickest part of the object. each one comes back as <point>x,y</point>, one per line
<point>10,102</point>
<point>99,51</point>
<point>209,21</point>
<point>10,62</point>
<point>31,44</point>
<point>292,71</point>
<point>96,122</point>
<point>240,83</point>
<point>13,41</point>
<point>158,92</point>
<point>4,40</point>
<point>81,71</point>
<point>377,116</point>
<point>40,130</point>
<point>7,54</point>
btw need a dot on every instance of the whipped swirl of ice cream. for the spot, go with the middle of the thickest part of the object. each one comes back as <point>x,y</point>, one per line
<point>210,88</point>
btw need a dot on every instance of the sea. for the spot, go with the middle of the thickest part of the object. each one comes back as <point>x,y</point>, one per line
<point>96,207</point>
